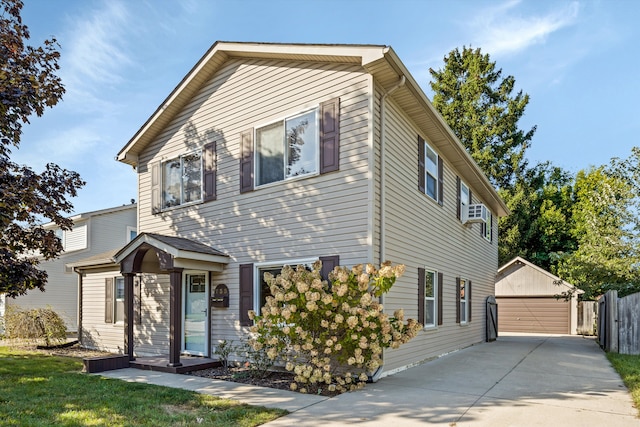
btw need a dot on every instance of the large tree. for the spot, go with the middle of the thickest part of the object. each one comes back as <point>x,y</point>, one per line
<point>604,226</point>
<point>480,107</point>
<point>28,85</point>
<point>539,227</point>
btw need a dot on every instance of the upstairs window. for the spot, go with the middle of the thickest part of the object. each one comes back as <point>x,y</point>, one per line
<point>182,180</point>
<point>431,179</point>
<point>430,171</point>
<point>465,198</point>
<point>306,144</point>
<point>487,229</point>
<point>287,149</point>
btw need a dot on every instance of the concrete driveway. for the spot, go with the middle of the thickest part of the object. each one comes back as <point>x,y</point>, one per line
<point>519,380</point>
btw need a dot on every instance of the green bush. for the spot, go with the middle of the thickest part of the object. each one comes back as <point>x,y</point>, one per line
<point>330,332</point>
<point>36,324</point>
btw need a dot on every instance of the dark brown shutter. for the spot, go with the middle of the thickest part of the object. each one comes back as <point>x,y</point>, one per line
<point>246,293</point>
<point>491,234</point>
<point>440,288</point>
<point>470,196</point>
<point>328,264</point>
<point>440,181</point>
<point>108,300</point>
<point>458,197</point>
<point>137,301</point>
<point>246,161</point>
<point>467,292</point>
<point>156,200</point>
<point>458,300</point>
<point>330,136</point>
<point>421,154</point>
<point>210,171</point>
<point>421,294</point>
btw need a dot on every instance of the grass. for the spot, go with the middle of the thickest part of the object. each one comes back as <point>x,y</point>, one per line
<point>43,390</point>
<point>628,366</point>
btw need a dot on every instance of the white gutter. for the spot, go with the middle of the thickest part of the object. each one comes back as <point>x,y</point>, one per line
<point>383,157</point>
<point>383,193</point>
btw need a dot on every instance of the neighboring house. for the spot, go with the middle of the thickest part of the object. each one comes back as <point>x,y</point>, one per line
<point>274,154</point>
<point>92,233</point>
<point>528,300</point>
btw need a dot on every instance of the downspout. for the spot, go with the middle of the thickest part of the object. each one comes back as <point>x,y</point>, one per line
<point>383,158</point>
<point>383,193</point>
<point>79,305</point>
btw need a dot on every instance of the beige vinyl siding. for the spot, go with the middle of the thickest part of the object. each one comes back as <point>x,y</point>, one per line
<point>308,217</point>
<point>105,231</point>
<point>97,334</point>
<point>152,336</point>
<point>421,233</point>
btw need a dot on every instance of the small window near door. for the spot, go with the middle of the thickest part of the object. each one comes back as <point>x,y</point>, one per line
<point>118,305</point>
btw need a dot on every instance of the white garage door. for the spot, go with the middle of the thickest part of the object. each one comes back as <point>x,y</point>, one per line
<point>536,315</point>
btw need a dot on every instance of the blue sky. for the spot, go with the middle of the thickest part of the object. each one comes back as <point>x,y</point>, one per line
<point>578,60</point>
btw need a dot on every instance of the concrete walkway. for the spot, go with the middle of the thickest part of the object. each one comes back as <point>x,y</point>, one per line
<point>519,380</point>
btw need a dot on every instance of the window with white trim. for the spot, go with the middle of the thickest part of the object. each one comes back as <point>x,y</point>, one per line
<point>465,200</point>
<point>430,298</point>
<point>118,300</point>
<point>487,228</point>
<point>132,233</point>
<point>287,149</point>
<point>431,172</point>
<point>261,288</point>
<point>464,303</point>
<point>182,180</point>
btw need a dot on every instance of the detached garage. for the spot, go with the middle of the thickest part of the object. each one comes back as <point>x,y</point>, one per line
<point>525,294</point>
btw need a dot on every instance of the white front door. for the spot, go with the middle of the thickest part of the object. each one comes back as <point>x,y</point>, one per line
<point>195,311</point>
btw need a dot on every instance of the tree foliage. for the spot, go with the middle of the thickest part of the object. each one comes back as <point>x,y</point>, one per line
<point>604,226</point>
<point>28,85</point>
<point>539,226</point>
<point>481,109</point>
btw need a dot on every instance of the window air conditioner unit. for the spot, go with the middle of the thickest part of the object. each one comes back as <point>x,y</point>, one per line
<point>475,213</point>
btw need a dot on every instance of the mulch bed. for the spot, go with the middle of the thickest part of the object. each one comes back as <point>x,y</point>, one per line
<point>275,379</point>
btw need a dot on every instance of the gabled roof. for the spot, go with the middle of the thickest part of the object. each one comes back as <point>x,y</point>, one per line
<point>378,60</point>
<point>177,247</point>
<point>521,261</point>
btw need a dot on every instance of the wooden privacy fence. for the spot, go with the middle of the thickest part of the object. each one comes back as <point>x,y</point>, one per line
<point>587,316</point>
<point>619,323</point>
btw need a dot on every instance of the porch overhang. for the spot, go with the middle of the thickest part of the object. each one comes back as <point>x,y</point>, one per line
<point>171,252</point>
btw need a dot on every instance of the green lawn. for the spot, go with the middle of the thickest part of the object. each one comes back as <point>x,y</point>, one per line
<point>42,390</point>
<point>628,366</point>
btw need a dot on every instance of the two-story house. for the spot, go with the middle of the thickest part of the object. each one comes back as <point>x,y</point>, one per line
<point>93,233</point>
<point>273,154</point>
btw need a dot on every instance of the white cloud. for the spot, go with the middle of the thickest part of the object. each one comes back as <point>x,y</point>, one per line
<point>503,30</point>
<point>94,49</point>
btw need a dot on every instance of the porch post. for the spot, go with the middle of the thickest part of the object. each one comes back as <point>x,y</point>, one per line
<point>128,315</point>
<point>175,316</point>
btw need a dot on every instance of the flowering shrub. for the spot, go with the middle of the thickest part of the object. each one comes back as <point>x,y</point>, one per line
<point>330,332</point>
